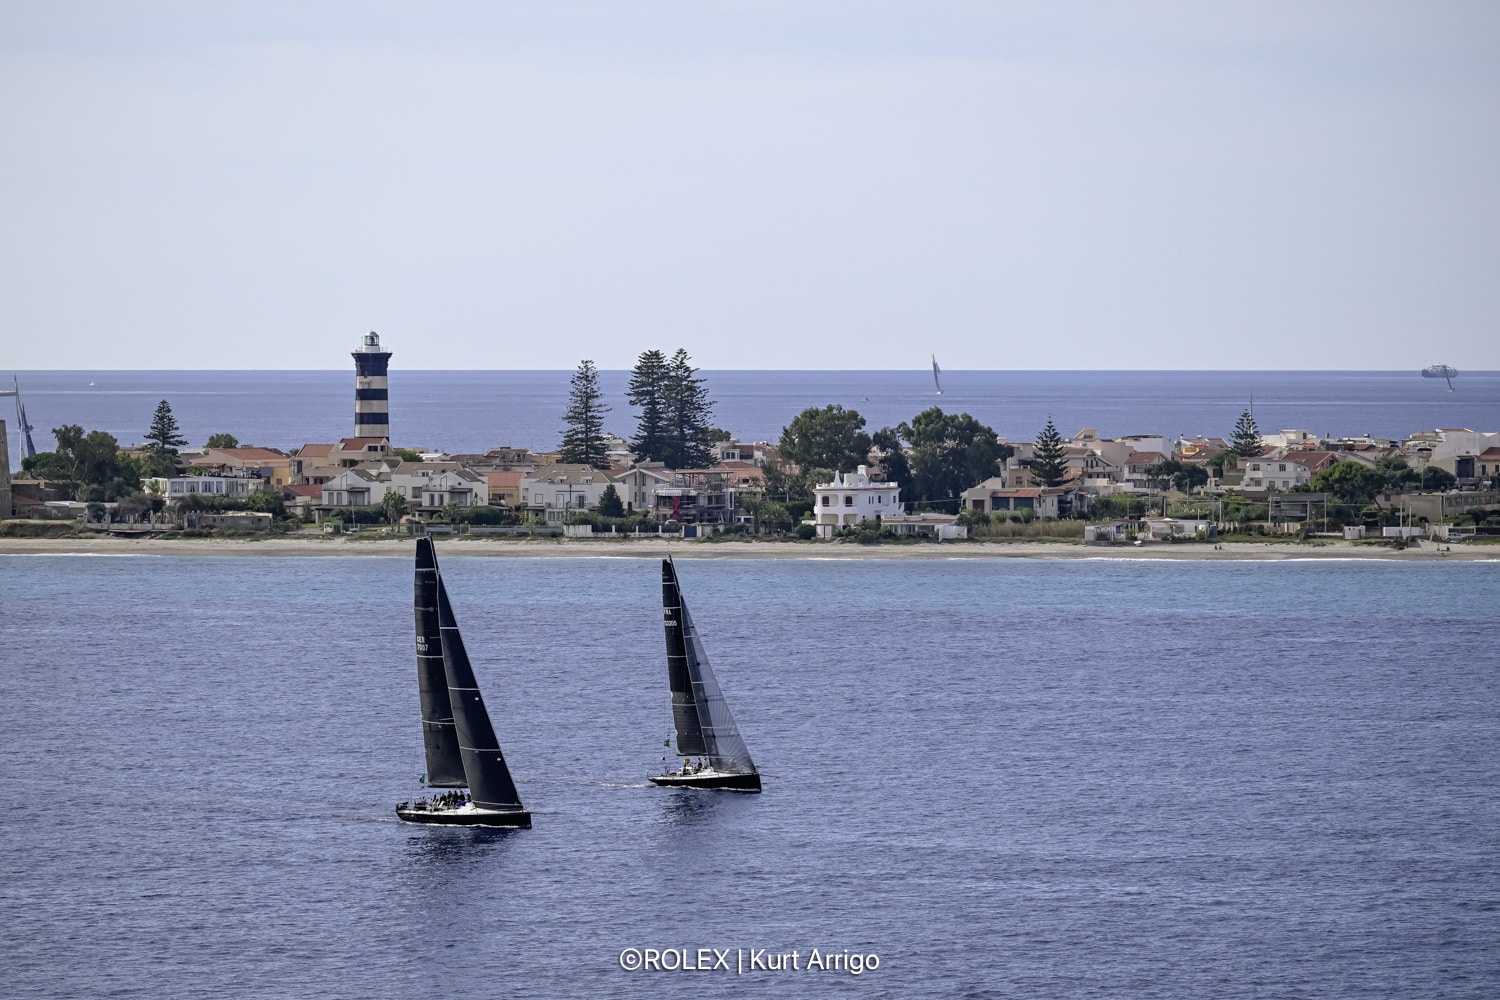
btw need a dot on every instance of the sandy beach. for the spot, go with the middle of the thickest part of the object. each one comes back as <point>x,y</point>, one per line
<point>323,545</point>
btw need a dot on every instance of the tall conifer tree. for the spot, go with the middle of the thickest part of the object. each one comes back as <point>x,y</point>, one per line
<point>163,440</point>
<point>647,391</point>
<point>689,413</point>
<point>1049,459</point>
<point>1246,436</point>
<point>583,438</point>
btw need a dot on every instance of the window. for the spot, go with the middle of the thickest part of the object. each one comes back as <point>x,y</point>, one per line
<point>848,500</point>
<point>826,500</point>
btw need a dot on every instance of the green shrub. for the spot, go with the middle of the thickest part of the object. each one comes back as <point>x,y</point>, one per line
<point>42,529</point>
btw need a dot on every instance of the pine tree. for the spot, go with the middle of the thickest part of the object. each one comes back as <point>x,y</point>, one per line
<point>1049,461</point>
<point>688,416</point>
<point>647,391</point>
<point>162,442</point>
<point>1246,436</point>
<point>583,439</point>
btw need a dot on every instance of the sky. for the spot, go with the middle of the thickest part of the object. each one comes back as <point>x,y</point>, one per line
<point>770,185</point>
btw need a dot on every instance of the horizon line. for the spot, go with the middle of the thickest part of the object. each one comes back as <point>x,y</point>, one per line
<point>912,371</point>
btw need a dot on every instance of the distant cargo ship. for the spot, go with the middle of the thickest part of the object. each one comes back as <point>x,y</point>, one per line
<point>1441,371</point>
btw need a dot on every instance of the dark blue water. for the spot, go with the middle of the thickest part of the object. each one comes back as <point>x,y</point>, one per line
<point>460,411</point>
<point>1005,778</point>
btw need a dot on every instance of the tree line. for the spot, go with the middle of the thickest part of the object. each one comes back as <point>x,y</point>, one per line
<point>933,458</point>
<point>90,467</point>
<point>674,425</point>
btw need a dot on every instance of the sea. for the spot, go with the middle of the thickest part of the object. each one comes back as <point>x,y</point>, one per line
<point>983,778</point>
<point>472,411</point>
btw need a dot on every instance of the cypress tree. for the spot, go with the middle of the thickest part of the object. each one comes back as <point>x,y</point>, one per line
<point>583,438</point>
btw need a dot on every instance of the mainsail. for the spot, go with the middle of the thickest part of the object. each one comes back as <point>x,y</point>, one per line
<point>490,784</point>
<point>705,726</point>
<point>937,375</point>
<point>24,445</point>
<point>445,768</point>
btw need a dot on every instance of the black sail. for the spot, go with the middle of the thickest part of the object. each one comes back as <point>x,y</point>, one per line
<point>445,768</point>
<point>705,726</point>
<point>679,678</point>
<point>490,784</point>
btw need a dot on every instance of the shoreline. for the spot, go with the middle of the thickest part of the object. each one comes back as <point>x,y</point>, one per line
<point>343,546</point>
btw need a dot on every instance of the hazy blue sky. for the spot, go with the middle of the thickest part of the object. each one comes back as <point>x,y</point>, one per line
<point>770,185</point>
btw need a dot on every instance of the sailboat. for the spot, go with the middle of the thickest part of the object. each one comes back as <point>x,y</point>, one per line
<point>462,751</point>
<point>705,729</point>
<point>1441,371</point>
<point>23,426</point>
<point>937,375</point>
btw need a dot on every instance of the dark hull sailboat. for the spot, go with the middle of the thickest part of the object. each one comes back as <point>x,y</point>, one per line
<point>465,815</point>
<point>708,778</point>
<point>705,727</point>
<point>462,749</point>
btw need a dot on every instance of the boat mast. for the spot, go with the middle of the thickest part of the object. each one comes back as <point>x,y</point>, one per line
<point>23,428</point>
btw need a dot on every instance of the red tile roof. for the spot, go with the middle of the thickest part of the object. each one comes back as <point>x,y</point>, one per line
<point>251,454</point>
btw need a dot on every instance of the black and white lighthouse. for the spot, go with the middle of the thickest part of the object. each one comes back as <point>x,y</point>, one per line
<point>372,407</point>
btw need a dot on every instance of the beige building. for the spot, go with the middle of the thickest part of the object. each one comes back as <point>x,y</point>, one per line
<point>270,464</point>
<point>315,464</point>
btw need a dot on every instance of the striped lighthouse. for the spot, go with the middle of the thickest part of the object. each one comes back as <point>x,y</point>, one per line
<point>372,407</point>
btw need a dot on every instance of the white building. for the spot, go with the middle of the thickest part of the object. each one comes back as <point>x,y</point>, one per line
<point>554,490</point>
<point>638,486</point>
<point>233,487</point>
<point>852,498</point>
<point>427,487</point>
<point>1274,474</point>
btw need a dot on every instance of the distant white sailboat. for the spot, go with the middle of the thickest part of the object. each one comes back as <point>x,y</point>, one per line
<point>937,373</point>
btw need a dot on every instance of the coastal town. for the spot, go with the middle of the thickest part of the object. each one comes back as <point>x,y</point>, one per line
<point>940,477</point>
